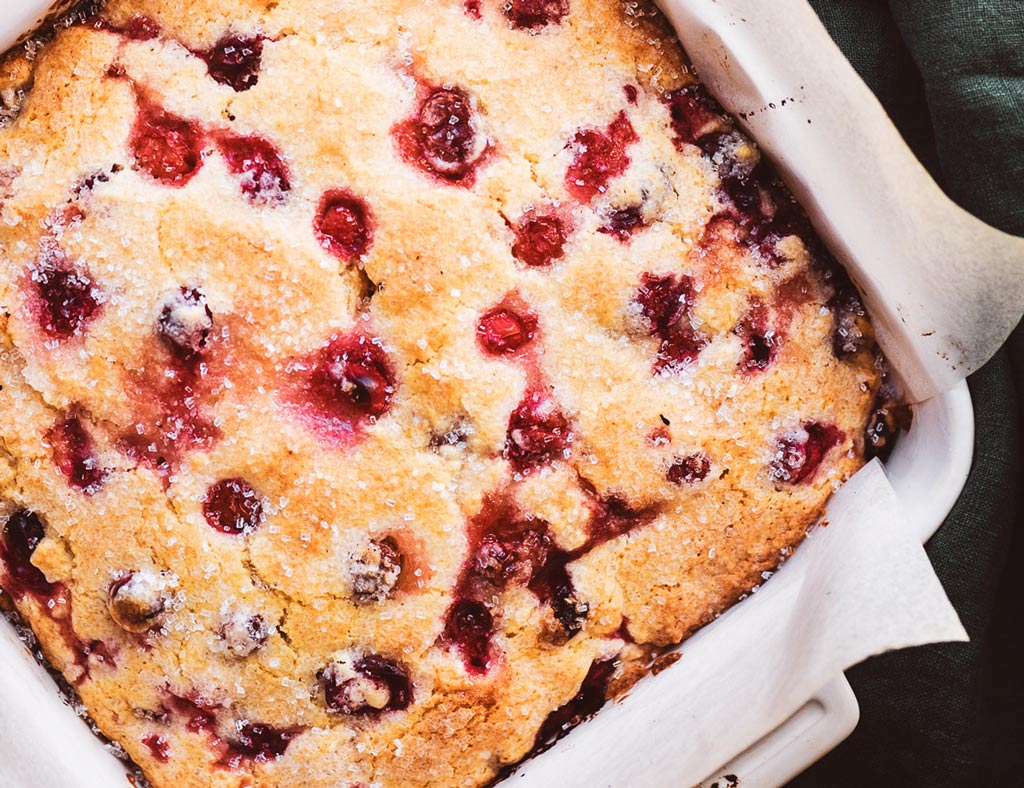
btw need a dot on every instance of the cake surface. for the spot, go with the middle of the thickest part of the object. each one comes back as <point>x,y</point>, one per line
<point>386,384</point>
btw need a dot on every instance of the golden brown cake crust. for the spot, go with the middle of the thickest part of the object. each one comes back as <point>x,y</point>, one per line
<point>373,373</point>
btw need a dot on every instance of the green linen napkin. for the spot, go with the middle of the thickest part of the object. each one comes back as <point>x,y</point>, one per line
<point>951,75</point>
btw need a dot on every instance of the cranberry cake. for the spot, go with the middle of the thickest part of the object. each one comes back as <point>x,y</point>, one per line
<point>385,385</point>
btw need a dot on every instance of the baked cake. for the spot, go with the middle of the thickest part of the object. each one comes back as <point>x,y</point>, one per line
<point>387,384</point>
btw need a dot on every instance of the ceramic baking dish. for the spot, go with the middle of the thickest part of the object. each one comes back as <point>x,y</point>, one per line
<point>45,744</point>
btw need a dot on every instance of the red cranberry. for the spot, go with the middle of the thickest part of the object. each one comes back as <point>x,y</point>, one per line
<point>233,507</point>
<point>352,380</point>
<point>689,470</point>
<point>799,453</point>
<point>243,633</point>
<point>185,323</point>
<point>473,9</point>
<point>344,224</point>
<point>848,316</point>
<point>632,93</point>
<point>623,222</point>
<point>512,557</point>
<point>468,627</point>
<point>614,516</point>
<point>138,601</point>
<point>374,571</point>
<point>664,301</point>
<point>664,305</point>
<point>73,453</point>
<point>141,28</point>
<point>889,417</point>
<point>67,299</point>
<point>22,534</point>
<point>599,156</point>
<point>256,742</point>
<point>263,174</point>
<point>165,147</point>
<point>158,747</point>
<point>138,28</point>
<point>366,686</point>
<point>540,239</point>
<point>588,701</point>
<point>449,140</point>
<point>760,339</point>
<point>235,61</point>
<point>694,114</point>
<point>538,433</point>
<point>501,331</point>
<point>535,14</point>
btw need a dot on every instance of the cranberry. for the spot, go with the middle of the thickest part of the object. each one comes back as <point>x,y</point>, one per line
<point>185,323</point>
<point>165,147</point>
<point>344,224</point>
<point>141,28</point>
<point>256,742</point>
<point>694,114</point>
<point>614,516</point>
<point>599,156</point>
<point>158,747</point>
<point>67,299</point>
<point>351,381</point>
<point>200,717</point>
<point>468,627</point>
<point>138,601</point>
<point>623,222</point>
<point>664,304</point>
<point>760,339</point>
<point>235,61</point>
<point>243,633</point>
<point>689,470</point>
<point>848,319</point>
<point>535,14</point>
<point>502,331</point>
<point>512,557</point>
<point>588,701</point>
<point>449,141</point>
<point>374,571</point>
<point>233,507</point>
<point>138,28</point>
<point>263,174</point>
<point>538,433</point>
<point>664,301</point>
<point>569,610</point>
<point>540,239</point>
<point>473,9</point>
<point>889,417</point>
<point>22,534</point>
<point>73,453</point>
<point>366,685</point>
<point>632,93</point>
<point>799,453</point>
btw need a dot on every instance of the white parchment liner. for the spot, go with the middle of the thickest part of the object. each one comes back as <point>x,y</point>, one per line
<point>944,291</point>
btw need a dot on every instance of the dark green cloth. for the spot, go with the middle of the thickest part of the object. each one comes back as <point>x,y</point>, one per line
<point>951,75</point>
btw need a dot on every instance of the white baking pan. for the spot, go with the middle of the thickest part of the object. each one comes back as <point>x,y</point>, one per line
<point>45,744</point>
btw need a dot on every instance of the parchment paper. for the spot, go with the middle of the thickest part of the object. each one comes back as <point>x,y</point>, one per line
<point>944,290</point>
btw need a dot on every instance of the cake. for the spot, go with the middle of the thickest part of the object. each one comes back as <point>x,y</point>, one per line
<point>386,385</point>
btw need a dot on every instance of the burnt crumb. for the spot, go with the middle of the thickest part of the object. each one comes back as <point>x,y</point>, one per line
<point>890,415</point>
<point>664,662</point>
<point>664,420</point>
